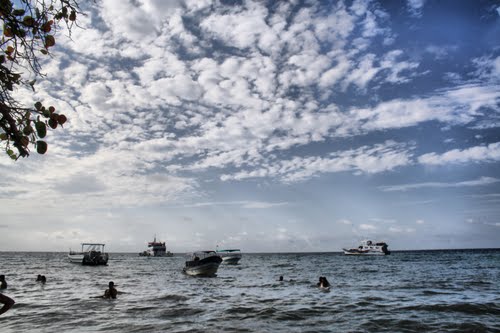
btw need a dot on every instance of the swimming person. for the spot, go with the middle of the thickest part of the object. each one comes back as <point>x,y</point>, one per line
<point>38,278</point>
<point>3,283</point>
<point>323,282</point>
<point>111,292</point>
<point>7,303</point>
<point>320,281</point>
<point>281,278</point>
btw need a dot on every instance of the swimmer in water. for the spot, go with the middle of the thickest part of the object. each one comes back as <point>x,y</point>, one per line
<point>111,292</point>
<point>3,283</point>
<point>7,303</point>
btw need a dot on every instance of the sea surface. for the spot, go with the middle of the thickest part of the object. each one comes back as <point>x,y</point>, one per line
<point>414,291</point>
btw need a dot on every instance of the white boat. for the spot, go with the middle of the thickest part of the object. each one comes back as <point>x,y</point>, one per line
<point>202,263</point>
<point>230,256</point>
<point>157,249</point>
<point>367,247</point>
<point>92,254</point>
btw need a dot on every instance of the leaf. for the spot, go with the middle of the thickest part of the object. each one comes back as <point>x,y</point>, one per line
<point>46,27</point>
<point>41,147</point>
<point>38,106</point>
<point>28,21</point>
<point>49,41</point>
<point>61,119</point>
<point>25,141</point>
<point>28,130</point>
<point>41,129</point>
<point>18,12</point>
<point>3,136</point>
<point>72,16</point>
<point>44,51</point>
<point>8,32</point>
<point>53,123</point>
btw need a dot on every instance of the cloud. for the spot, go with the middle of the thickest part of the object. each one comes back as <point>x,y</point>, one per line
<point>485,154</point>
<point>483,181</point>
<point>366,159</point>
<point>344,221</point>
<point>167,98</point>
<point>243,204</point>
<point>415,7</point>
<point>399,230</point>
<point>367,227</point>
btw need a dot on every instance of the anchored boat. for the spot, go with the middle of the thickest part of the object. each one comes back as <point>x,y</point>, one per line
<point>92,254</point>
<point>367,247</point>
<point>202,263</point>
<point>230,256</point>
<point>157,249</point>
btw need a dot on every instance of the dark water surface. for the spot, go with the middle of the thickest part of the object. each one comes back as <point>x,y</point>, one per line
<point>416,291</point>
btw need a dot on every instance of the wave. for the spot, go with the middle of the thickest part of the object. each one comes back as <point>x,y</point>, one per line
<point>467,308</point>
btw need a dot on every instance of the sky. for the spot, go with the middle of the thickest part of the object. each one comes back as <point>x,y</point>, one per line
<point>269,126</point>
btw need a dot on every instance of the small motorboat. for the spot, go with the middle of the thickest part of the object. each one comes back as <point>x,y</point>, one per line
<point>92,254</point>
<point>368,247</point>
<point>230,256</point>
<point>202,263</point>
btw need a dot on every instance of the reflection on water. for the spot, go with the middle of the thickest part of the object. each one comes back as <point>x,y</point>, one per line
<point>407,291</point>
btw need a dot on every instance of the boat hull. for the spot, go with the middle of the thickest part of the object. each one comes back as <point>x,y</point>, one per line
<point>76,258</point>
<point>208,269</point>
<point>89,259</point>
<point>363,253</point>
<point>231,260</point>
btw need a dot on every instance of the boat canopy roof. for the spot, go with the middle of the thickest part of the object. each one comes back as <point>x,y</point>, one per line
<point>202,254</point>
<point>92,246</point>
<point>229,250</point>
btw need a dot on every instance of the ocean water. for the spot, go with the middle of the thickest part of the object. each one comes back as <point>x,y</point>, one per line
<point>414,291</point>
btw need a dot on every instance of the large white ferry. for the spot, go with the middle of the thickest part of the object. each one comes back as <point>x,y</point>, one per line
<point>367,247</point>
<point>157,249</point>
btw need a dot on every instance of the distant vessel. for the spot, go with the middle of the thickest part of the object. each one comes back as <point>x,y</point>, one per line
<point>92,254</point>
<point>230,256</point>
<point>202,263</point>
<point>157,249</point>
<point>367,247</point>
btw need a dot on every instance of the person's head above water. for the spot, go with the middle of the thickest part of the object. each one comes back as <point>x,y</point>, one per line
<point>281,277</point>
<point>111,284</point>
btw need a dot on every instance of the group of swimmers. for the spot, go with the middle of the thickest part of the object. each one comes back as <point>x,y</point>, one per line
<point>109,293</point>
<point>8,302</point>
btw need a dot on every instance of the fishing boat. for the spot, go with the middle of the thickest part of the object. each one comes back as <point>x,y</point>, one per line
<point>202,263</point>
<point>367,247</point>
<point>157,249</point>
<point>92,254</point>
<point>229,256</point>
